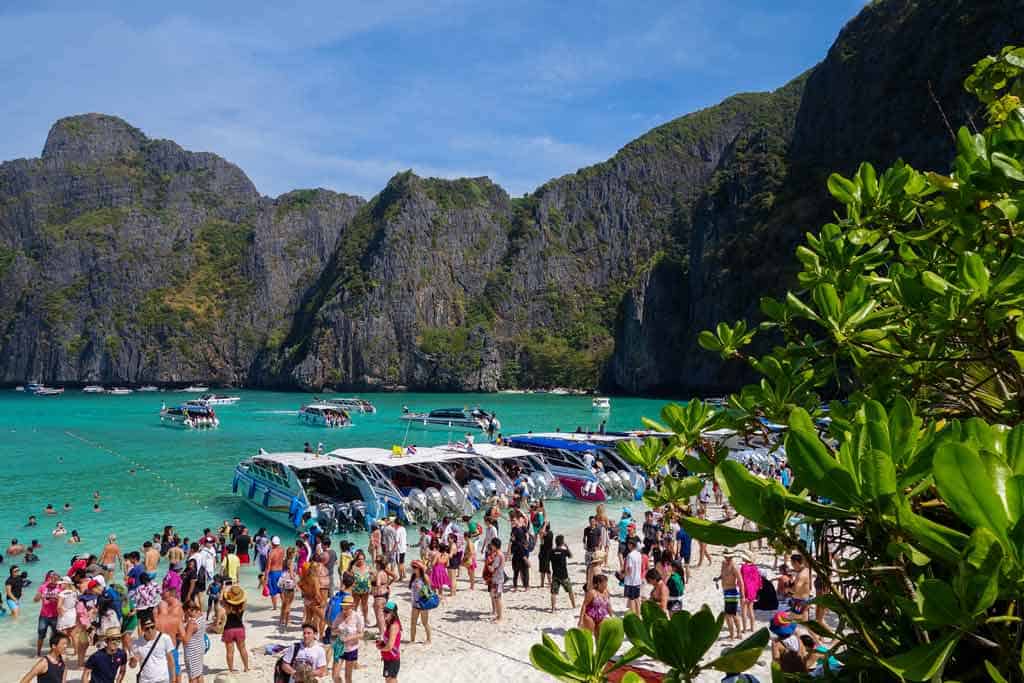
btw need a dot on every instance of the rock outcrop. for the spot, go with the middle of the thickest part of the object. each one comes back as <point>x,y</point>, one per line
<point>125,259</point>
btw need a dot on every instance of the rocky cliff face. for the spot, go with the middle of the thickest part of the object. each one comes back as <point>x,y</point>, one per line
<point>126,259</point>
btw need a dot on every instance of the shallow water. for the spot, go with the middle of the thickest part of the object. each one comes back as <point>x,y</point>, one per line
<point>57,450</point>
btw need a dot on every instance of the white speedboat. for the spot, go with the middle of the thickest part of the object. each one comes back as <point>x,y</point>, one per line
<point>601,403</point>
<point>19,388</point>
<point>450,418</point>
<point>189,415</point>
<point>49,391</point>
<point>119,391</point>
<point>196,389</point>
<point>352,405</point>
<point>219,400</point>
<point>322,414</point>
<point>285,486</point>
<point>148,387</point>
<point>93,389</point>
<point>33,387</point>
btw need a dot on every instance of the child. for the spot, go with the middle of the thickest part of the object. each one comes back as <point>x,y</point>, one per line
<point>262,585</point>
<point>214,594</point>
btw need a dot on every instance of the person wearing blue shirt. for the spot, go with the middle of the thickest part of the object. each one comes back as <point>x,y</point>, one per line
<point>624,522</point>
<point>685,543</point>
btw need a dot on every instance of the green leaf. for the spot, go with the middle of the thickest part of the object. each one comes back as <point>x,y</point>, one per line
<point>810,508</point>
<point>554,663</point>
<point>1015,449</point>
<point>878,475</point>
<point>579,648</point>
<point>638,633</point>
<point>935,283</point>
<point>924,661</point>
<point>962,478</point>
<point>939,604</point>
<point>609,640</point>
<point>743,655</point>
<point>973,273</point>
<point>701,632</point>
<point>903,430</point>
<point>718,534</point>
<point>742,488</point>
<point>993,673</point>
<point>845,191</point>
<point>933,538</point>
<point>814,465</point>
<point>709,341</point>
<point>1008,166</point>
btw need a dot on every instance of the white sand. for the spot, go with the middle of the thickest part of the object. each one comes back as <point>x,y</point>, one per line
<point>467,647</point>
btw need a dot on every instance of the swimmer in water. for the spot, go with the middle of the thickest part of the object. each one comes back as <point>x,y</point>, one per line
<point>74,537</point>
<point>59,530</point>
<point>96,507</point>
<point>49,509</point>
<point>96,495</point>
<point>67,507</point>
<point>32,520</point>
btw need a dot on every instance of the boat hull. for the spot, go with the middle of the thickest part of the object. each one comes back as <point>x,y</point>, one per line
<point>437,423</point>
<point>179,422</point>
<point>576,487</point>
<point>314,420</point>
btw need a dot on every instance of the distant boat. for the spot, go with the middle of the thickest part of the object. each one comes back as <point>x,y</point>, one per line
<point>196,389</point>
<point>218,400</point>
<point>19,388</point>
<point>560,391</point>
<point>352,405</point>
<point>93,389</point>
<point>119,391</point>
<point>189,415</point>
<point>449,418</point>
<point>601,403</point>
<point>148,387</point>
<point>49,391</point>
<point>33,387</point>
<point>324,415</point>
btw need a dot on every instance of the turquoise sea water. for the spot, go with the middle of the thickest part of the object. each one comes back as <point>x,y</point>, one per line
<point>57,450</point>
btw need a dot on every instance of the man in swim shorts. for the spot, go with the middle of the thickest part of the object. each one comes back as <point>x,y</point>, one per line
<point>732,591</point>
<point>275,567</point>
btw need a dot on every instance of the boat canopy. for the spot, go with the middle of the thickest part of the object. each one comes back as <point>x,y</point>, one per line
<point>298,461</point>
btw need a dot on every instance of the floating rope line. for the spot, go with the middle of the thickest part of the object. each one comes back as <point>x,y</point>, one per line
<point>140,467</point>
<point>481,647</point>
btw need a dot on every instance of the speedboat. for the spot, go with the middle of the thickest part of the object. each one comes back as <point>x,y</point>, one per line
<point>196,389</point>
<point>450,418</point>
<point>288,486</point>
<point>189,415</point>
<point>119,391</point>
<point>587,465</point>
<point>525,472</point>
<point>428,491</point>
<point>352,405</point>
<point>49,391</point>
<point>601,403</point>
<point>148,387</point>
<point>219,400</point>
<point>33,387</point>
<point>324,415</point>
<point>93,389</point>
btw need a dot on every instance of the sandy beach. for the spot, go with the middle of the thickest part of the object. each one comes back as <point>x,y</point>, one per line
<point>467,646</point>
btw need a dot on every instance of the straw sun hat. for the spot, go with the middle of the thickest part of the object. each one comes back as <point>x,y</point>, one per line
<point>234,595</point>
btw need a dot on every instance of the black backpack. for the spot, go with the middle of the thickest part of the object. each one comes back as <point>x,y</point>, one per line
<point>767,598</point>
<point>279,675</point>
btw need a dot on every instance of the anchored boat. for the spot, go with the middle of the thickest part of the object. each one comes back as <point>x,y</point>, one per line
<point>322,414</point>
<point>352,404</point>
<point>451,418</point>
<point>218,400</point>
<point>189,415</point>
<point>288,486</point>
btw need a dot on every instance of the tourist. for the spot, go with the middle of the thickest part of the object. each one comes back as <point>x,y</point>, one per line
<point>469,554</point>
<point>375,547</point>
<point>520,551</point>
<point>172,579</point>
<point>110,556</point>
<point>67,602</point>
<point>456,548</point>
<point>231,564</point>
<point>390,643</point>
<point>152,653</point>
<point>108,663</point>
<point>593,540</point>
<point>32,521</point>
<point>546,542</point>
<point>51,668</point>
<point>59,530</point>
<point>313,590</point>
<point>348,629</point>
<point>597,605</point>
<point>623,531</point>
<point>800,587</point>
<point>48,594</point>
<point>676,587</point>
<point>751,578</point>
<point>287,583</point>
<point>15,548</point>
<point>382,578</point>
<point>702,547</point>
<point>732,592</point>
<point>659,591</point>
<point>423,598</point>
<point>192,633</point>
<point>12,590</point>
<point>494,576</point>
<point>234,628</point>
<point>329,558</point>
<point>559,556</point>
<point>49,509</point>
<point>261,544</point>
<point>146,596</point>
<point>275,567</point>
<point>439,577</point>
<point>633,577</point>
<point>305,657</point>
<point>401,545</point>
<point>169,616</point>
<point>362,579</point>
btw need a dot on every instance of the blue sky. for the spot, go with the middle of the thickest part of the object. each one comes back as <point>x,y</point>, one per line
<point>343,95</point>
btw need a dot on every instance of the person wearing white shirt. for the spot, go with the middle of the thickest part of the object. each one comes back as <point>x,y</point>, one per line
<point>154,652</point>
<point>309,656</point>
<point>402,543</point>
<point>634,578</point>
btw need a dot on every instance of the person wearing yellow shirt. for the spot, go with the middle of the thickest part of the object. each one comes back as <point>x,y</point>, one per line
<point>230,565</point>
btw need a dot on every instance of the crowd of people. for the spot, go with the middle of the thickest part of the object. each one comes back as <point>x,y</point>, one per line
<point>155,608</point>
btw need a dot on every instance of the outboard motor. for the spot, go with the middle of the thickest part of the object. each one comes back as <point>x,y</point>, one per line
<point>325,518</point>
<point>417,501</point>
<point>343,516</point>
<point>435,500</point>
<point>452,500</point>
<point>476,492</point>
<point>540,484</point>
<point>357,509</point>
<point>612,483</point>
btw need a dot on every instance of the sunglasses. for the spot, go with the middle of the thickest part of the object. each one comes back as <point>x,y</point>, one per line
<point>147,627</point>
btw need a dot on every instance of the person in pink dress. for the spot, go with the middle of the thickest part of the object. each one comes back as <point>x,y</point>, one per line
<point>751,577</point>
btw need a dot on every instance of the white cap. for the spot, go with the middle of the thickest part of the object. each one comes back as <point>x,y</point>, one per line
<point>276,540</point>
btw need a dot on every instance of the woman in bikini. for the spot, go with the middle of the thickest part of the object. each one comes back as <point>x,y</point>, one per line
<point>361,588</point>
<point>597,605</point>
<point>382,579</point>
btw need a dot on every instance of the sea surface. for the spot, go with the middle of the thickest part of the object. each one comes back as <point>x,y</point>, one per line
<point>63,449</point>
